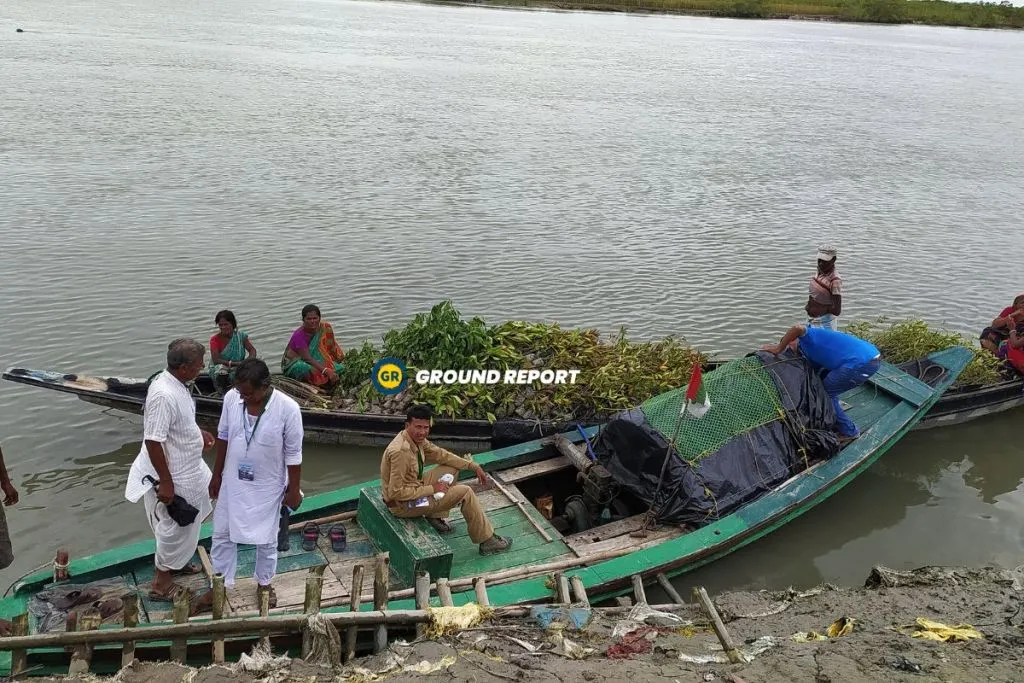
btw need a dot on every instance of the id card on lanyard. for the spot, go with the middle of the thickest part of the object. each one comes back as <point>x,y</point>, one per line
<point>246,471</point>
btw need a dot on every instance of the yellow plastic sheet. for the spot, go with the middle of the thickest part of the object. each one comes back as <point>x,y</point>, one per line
<point>840,627</point>
<point>934,630</point>
<point>448,620</point>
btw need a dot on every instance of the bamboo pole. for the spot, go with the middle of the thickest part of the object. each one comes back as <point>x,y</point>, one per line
<point>311,603</point>
<point>131,620</point>
<point>356,598</point>
<point>522,508</point>
<point>480,588</point>
<point>339,517</point>
<point>579,591</point>
<point>638,590</point>
<point>180,613</point>
<point>562,588</point>
<point>444,592</point>
<point>669,589</point>
<point>264,613</point>
<point>19,658</point>
<point>381,577</point>
<point>716,622</point>
<point>82,655</point>
<point>248,625</point>
<point>422,597</point>
<point>219,598</point>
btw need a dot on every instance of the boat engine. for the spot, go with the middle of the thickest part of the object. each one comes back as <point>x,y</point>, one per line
<point>598,503</point>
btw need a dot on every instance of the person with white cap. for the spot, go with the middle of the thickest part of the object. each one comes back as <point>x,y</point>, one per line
<point>824,300</point>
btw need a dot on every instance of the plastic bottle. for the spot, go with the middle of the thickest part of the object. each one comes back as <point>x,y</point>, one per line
<point>446,479</point>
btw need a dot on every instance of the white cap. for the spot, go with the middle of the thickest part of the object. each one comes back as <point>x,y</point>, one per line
<point>826,252</point>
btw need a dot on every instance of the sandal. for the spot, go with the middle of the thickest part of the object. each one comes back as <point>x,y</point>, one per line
<point>310,535</point>
<point>169,596</point>
<point>188,570</point>
<point>339,538</point>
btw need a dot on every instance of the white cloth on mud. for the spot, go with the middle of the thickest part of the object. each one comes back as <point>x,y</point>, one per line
<point>169,418</point>
<point>255,473</point>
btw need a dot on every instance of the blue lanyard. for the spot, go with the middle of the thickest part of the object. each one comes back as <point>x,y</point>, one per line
<point>249,437</point>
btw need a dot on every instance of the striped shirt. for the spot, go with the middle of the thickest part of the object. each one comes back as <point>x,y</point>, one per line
<point>823,287</point>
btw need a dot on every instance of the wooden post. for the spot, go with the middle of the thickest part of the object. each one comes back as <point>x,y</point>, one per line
<point>131,620</point>
<point>60,565</point>
<point>219,598</point>
<point>480,587</point>
<point>579,591</point>
<point>673,594</point>
<point>444,593</point>
<point>716,622</point>
<point>356,598</point>
<point>19,658</point>
<point>180,613</point>
<point>380,599</point>
<point>311,603</point>
<point>638,590</point>
<point>82,655</point>
<point>562,587</point>
<point>264,611</point>
<point>422,597</point>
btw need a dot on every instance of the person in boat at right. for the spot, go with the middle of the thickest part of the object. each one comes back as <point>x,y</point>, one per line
<point>824,298</point>
<point>1011,318</point>
<point>313,354</point>
<point>408,493</point>
<point>849,361</point>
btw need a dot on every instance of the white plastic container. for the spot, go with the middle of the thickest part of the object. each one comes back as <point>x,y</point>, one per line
<point>445,479</point>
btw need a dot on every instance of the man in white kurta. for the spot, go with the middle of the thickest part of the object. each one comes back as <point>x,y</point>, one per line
<point>259,458</point>
<point>172,455</point>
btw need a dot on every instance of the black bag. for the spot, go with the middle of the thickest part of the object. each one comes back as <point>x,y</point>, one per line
<point>180,510</point>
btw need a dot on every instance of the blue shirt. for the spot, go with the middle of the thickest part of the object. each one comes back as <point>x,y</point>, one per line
<point>831,350</point>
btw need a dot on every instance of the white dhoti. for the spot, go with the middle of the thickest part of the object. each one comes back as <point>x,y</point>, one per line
<point>175,545</point>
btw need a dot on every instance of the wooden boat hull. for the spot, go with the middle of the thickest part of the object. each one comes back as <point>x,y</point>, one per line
<point>359,429</point>
<point>885,410</point>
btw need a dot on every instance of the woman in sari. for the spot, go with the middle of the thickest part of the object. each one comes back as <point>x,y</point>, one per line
<point>312,354</point>
<point>228,348</point>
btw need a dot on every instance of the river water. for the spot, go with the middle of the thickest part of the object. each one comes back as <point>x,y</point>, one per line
<point>670,174</point>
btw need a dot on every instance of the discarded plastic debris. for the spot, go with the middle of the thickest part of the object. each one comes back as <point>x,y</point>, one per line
<point>807,636</point>
<point>748,652</point>
<point>840,627</point>
<point>934,630</point>
<point>577,617</point>
<point>637,641</point>
<point>642,614</point>
<point>567,648</point>
<point>448,620</point>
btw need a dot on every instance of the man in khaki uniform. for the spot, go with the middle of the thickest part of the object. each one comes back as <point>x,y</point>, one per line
<point>408,493</point>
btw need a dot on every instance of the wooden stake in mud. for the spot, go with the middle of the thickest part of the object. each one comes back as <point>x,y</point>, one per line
<point>82,655</point>
<point>562,586</point>
<point>264,611</point>
<point>219,598</point>
<point>579,591</point>
<point>311,603</point>
<point>356,598</point>
<point>716,622</point>
<point>638,590</point>
<point>380,600</point>
<point>182,608</point>
<point>19,658</point>
<point>131,620</point>
<point>480,588</point>
<point>422,597</point>
<point>444,593</point>
<point>669,589</point>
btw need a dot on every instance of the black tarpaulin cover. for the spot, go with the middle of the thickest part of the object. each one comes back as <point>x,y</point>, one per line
<point>742,469</point>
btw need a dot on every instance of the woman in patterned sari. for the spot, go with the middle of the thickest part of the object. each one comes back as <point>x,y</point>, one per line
<point>228,348</point>
<point>312,354</point>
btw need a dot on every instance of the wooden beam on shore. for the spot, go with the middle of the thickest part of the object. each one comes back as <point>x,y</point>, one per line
<point>355,599</point>
<point>579,591</point>
<point>638,590</point>
<point>444,592</point>
<point>131,620</point>
<point>220,598</point>
<point>381,581</point>
<point>669,589</point>
<point>19,658</point>
<point>311,603</point>
<point>562,588</point>
<point>422,597</point>
<point>82,656</point>
<point>180,614</point>
<point>716,622</point>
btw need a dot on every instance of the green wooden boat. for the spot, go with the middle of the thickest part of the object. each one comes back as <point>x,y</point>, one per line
<point>603,552</point>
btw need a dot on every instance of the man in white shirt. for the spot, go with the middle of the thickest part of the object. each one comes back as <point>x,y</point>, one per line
<point>170,466</point>
<point>259,467</point>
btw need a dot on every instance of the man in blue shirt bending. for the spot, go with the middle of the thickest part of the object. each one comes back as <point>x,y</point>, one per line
<point>849,360</point>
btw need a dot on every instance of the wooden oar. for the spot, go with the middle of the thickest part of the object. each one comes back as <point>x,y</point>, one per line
<point>518,503</point>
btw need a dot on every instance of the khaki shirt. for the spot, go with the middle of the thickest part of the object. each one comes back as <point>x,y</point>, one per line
<point>399,468</point>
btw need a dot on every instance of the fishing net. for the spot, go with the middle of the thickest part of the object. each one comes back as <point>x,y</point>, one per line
<point>747,398</point>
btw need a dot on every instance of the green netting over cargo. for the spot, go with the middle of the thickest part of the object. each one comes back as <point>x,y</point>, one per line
<point>743,396</point>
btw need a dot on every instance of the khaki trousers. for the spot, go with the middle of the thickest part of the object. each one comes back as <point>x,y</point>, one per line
<point>480,528</point>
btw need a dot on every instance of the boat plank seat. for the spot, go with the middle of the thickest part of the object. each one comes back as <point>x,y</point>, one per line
<point>535,469</point>
<point>908,388</point>
<point>413,544</point>
<point>617,535</point>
